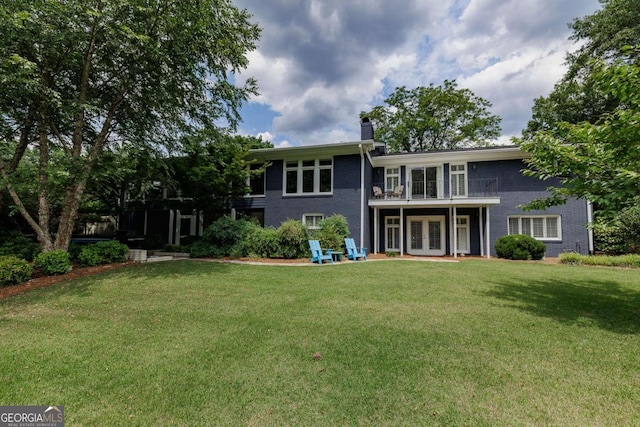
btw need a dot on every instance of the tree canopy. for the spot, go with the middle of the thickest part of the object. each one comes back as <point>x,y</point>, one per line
<point>599,162</point>
<point>586,133</point>
<point>83,76</point>
<point>577,97</point>
<point>434,118</point>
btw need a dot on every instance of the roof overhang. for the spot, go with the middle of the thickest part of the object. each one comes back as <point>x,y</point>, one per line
<point>451,156</point>
<point>313,151</point>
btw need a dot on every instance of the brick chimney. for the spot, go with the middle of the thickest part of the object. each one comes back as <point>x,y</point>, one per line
<point>366,129</point>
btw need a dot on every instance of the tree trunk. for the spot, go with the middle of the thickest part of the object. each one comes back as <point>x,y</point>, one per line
<point>43,182</point>
<point>72,200</point>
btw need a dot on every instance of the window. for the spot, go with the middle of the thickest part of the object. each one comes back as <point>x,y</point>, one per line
<point>308,176</point>
<point>256,182</point>
<point>539,227</point>
<point>392,178</point>
<point>392,231</point>
<point>425,182</point>
<point>312,221</point>
<point>458,181</point>
<point>462,234</point>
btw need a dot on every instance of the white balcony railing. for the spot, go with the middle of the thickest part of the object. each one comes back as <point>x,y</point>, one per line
<point>434,189</point>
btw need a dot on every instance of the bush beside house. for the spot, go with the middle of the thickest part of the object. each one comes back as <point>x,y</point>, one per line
<point>519,247</point>
<point>227,237</point>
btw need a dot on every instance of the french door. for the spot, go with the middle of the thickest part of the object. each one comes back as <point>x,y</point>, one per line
<point>426,235</point>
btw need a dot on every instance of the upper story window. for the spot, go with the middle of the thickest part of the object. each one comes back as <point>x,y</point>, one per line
<point>308,176</point>
<point>426,182</point>
<point>392,179</point>
<point>539,227</point>
<point>458,180</point>
<point>256,183</point>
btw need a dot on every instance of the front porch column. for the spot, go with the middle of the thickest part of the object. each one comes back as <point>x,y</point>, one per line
<point>401,231</point>
<point>488,236</point>
<point>455,232</point>
<point>179,226</point>
<point>481,227</point>
<point>170,237</point>
<point>375,231</point>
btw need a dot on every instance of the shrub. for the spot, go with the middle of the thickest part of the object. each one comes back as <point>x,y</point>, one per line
<point>262,243</point>
<point>608,238</point>
<point>89,257</point>
<point>293,239</point>
<point>54,262</point>
<point>112,251</point>
<point>570,258</point>
<point>224,237</point>
<point>74,252</point>
<point>107,252</point>
<point>629,227</point>
<point>519,247</point>
<point>18,245</point>
<point>14,270</point>
<point>333,230</point>
<point>201,249</point>
<point>631,260</point>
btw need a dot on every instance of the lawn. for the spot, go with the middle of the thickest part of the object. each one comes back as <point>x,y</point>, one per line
<point>482,343</point>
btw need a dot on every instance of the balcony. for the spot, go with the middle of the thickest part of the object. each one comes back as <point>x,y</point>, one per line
<point>434,190</point>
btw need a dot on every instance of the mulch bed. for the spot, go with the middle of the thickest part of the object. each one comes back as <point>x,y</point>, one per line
<point>41,281</point>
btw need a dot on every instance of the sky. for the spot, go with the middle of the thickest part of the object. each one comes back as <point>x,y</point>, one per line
<point>319,63</point>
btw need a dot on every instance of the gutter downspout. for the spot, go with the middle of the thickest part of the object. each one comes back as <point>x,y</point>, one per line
<point>362,198</point>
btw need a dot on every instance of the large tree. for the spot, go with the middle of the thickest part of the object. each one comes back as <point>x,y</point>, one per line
<point>599,162</point>
<point>434,118</point>
<point>577,96</point>
<point>585,133</point>
<point>85,75</point>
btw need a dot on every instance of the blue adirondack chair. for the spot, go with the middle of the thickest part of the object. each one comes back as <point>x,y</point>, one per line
<point>316,253</point>
<point>352,250</point>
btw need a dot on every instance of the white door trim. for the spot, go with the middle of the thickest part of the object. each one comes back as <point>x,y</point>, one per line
<point>426,249</point>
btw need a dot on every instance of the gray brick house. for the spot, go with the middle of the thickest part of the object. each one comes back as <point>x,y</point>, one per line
<point>455,202</point>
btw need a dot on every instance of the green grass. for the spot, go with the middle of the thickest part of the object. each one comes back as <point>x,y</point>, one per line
<point>477,343</point>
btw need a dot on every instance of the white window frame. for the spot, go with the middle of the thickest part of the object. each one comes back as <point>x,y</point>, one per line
<point>300,168</point>
<point>467,232</point>
<point>387,227</point>
<point>439,181</point>
<point>454,175</point>
<point>264,183</point>
<point>393,174</point>
<point>530,218</point>
<point>315,218</point>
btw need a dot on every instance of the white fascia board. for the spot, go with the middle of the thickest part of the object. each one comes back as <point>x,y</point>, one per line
<point>312,151</point>
<point>435,203</point>
<point>453,156</point>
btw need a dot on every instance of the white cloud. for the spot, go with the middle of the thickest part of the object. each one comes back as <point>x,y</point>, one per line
<point>320,62</point>
<point>265,136</point>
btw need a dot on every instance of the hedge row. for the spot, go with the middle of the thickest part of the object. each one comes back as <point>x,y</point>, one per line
<point>246,238</point>
<point>632,260</point>
<point>15,269</point>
